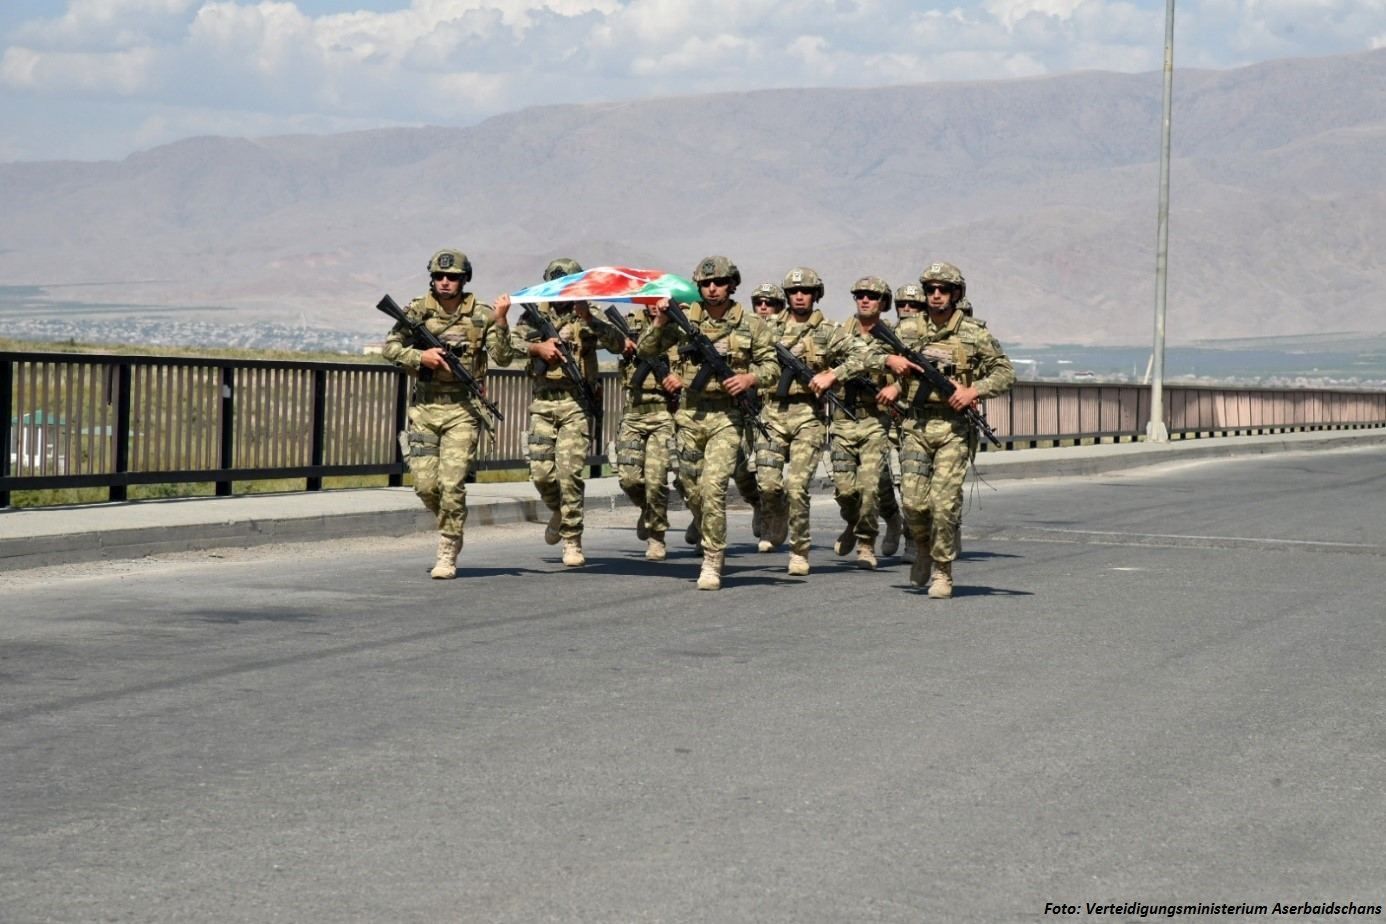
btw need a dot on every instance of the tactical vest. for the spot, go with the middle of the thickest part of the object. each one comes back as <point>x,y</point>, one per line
<point>464,331</point>
<point>579,337</point>
<point>731,336</point>
<point>944,346</point>
<point>860,391</point>
<point>808,341</point>
<point>650,387</point>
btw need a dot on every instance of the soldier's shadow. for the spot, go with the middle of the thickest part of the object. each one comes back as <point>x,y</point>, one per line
<point>463,571</point>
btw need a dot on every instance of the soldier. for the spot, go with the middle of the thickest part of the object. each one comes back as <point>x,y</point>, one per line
<point>559,426</point>
<point>860,448</point>
<point>768,301</point>
<point>909,301</point>
<point>798,428</point>
<point>937,444</point>
<point>444,425</point>
<point>643,445</point>
<point>709,425</point>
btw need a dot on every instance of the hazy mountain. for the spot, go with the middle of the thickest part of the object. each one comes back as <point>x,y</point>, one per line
<point>1043,190</point>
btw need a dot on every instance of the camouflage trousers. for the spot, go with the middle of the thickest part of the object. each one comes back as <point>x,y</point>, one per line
<point>709,441</point>
<point>889,507</point>
<point>934,455</point>
<point>558,442</point>
<point>796,440</point>
<point>443,441</point>
<point>860,457</point>
<point>643,459</point>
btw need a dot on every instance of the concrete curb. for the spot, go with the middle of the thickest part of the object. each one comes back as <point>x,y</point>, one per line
<point>40,537</point>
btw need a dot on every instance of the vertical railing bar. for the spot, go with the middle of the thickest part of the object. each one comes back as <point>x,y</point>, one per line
<point>124,375</point>
<point>226,421</point>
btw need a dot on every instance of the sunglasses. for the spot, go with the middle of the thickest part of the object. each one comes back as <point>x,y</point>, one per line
<point>936,287</point>
<point>719,281</point>
<point>451,277</point>
<point>757,302</point>
<point>909,304</point>
<point>868,296</point>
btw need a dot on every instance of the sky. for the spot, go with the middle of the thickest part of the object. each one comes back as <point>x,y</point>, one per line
<point>100,79</point>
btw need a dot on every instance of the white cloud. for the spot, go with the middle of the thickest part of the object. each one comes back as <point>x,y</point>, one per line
<point>268,62</point>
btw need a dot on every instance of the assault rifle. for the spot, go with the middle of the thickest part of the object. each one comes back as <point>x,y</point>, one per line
<point>712,363</point>
<point>587,396</point>
<point>659,366</point>
<point>793,369</point>
<point>426,339</point>
<point>940,382</point>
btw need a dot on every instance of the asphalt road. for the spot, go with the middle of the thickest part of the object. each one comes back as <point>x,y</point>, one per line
<point>1163,686</point>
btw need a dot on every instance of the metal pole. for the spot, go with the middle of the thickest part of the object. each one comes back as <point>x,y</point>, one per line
<point>1155,430</point>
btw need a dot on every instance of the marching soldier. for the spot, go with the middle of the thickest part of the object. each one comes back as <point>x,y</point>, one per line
<point>560,426</point>
<point>709,425</point>
<point>444,423</point>
<point>937,443</point>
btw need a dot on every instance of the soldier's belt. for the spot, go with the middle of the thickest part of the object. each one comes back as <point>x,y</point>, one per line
<point>554,392</point>
<point>932,411</point>
<point>805,397</point>
<point>434,395</point>
<point>719,401</point>
<point>647,397</point>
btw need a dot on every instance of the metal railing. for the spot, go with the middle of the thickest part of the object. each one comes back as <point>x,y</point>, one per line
<point>87,420</point>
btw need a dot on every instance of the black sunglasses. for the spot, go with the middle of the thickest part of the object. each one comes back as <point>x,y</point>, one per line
<point>937,287</point>
<point>873,296</point>
<point>455,277</point>
<point>719,281</point>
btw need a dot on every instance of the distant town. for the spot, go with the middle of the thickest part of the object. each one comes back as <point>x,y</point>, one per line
<point>1350,361</point>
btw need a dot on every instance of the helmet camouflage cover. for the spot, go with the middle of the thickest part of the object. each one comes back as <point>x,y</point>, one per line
<point>716,268</point>
<point>563,266</point>
<point>945,273</point>
<point>802,277</point>
<point>768,290</point>
<point>448,260</point>
<point>909,293</point>
<point>875,285</point>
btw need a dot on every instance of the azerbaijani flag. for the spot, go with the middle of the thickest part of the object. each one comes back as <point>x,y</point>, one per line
<point>611,284</point>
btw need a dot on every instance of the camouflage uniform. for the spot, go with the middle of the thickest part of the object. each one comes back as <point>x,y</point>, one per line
<point>558,426</point>
<point>709,426</point>
<point>798,428</point>
<point>643,446</point>
<point>861,448</point>
<point>444,427</point>
<point>936,440</point>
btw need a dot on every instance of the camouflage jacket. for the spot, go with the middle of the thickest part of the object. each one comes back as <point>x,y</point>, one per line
<point>962,349</point>
<point>821,344</point>
<point>740,336</point>
<point>584,338</point>
<point>471,332</point>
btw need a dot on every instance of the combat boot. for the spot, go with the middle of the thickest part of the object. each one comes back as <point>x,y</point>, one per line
<point>866,555</point>
<point>445,568</point>
<point>764,546</point>
<point>798,564</point>
<point>710,578</point>
<point>655,549</point>
<point>919,570</point>
<point>642,532</point>
<point>941,587</point>
<point>845,540</point>
<point>572,553</point>
<point>890,542</point>
<point>551,535</point>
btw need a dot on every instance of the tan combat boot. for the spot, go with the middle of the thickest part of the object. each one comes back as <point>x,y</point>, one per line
<point>445,568</point>
<point>798,564</point>
<point>866,555</point>
<point>890,542</point>
<point>551,535</point>
<point>941,587</point>
<point>572,553</point>
<point>655,549</point>
<point>845,539</point>
<point>710,578</point>
<point>919,570</point>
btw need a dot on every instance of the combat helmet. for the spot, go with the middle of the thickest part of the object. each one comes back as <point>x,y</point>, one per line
<point>563,266</point>
<point>910,292</point>
<point>448,260</point>
<point>770,291</point>
<point>801,277</point>
<point>717,268</point>
<point>946,273</point>
<point>876,286</point>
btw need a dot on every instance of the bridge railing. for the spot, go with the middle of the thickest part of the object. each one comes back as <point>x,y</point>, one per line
<point>109,421</point>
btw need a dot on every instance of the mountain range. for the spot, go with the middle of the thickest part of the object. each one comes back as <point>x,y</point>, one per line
<point>1042,189</point>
